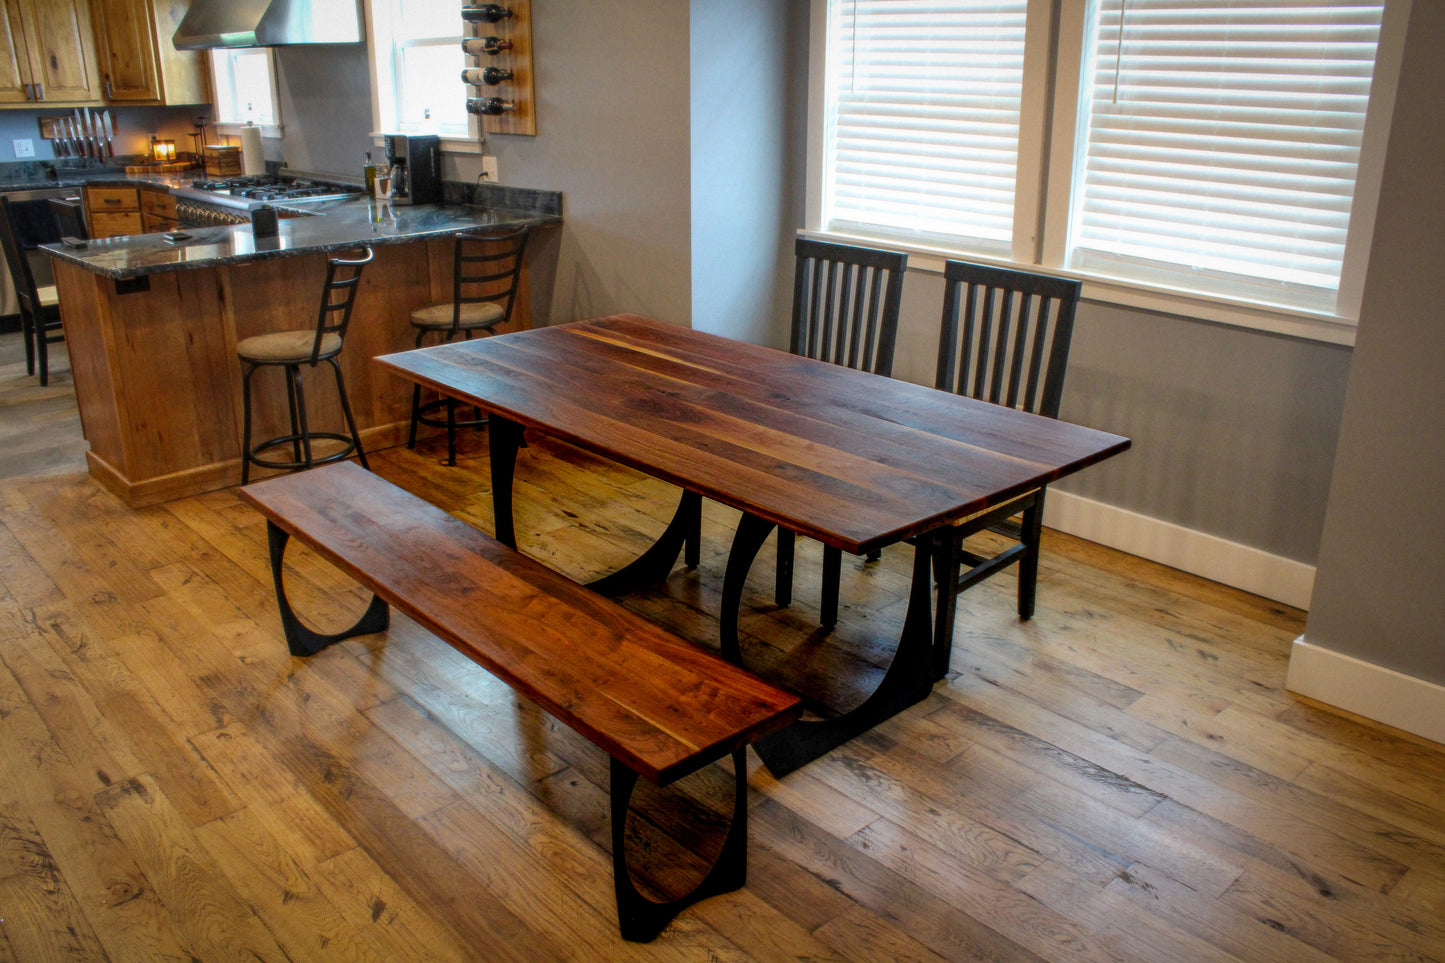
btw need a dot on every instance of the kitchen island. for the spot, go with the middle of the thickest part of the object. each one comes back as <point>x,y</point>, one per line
<point>152,324</point>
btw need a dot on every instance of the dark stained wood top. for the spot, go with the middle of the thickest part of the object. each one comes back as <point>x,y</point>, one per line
<point>851,459</point>
<point>657,703</point>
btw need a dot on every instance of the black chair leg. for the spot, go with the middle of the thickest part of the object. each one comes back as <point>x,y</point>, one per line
<point>783,581</point>
<point>346,411</point>
<point>1030,536</point>
<point>246,425</point>
<point>832,575</point>
<point>42,349</point>
<point>945,567</point>
<point>299,414</point>
<point>27,331</point>
<point>415,416</point>
<point>451,432</point>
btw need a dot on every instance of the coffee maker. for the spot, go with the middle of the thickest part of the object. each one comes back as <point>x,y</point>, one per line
<point>417,160</point>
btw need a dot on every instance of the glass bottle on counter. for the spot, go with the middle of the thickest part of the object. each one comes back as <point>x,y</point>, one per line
<point>368,174</point>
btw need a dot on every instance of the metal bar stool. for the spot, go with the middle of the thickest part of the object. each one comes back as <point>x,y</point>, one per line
<point>485,267</point>
<point>39,306</point>
<point>293,349</point>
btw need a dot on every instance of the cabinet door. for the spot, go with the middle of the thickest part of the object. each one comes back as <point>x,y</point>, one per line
<point>14,58</point>
<point>61,49</point>
<point>137,58</point>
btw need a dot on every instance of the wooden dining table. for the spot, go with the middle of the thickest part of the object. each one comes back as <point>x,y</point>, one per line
<point>854,460</point>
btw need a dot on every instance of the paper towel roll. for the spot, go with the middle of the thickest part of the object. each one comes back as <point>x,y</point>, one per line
<point>253,160</point>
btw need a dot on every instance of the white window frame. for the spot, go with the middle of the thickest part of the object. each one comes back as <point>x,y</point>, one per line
<point>1048,154</point>
<point>224,122</point>
<point>381,51</point>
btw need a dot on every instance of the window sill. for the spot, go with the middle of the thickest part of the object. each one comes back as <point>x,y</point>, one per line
<point>1307,325</point>
<point>233,129</point>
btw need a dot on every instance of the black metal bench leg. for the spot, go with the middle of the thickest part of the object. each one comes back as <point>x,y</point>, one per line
<point>641,919</point>
<point>299,639</point>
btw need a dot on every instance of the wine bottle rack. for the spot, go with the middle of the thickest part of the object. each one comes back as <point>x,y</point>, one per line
<point>521,118</point>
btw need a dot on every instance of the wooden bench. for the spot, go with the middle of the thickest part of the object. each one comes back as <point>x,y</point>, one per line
<point>660,706</point>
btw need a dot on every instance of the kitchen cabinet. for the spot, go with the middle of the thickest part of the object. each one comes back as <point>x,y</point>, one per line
<point>47,53</point>
<point>138,63</point>
<point>112,211</point>
<point>157,211</point>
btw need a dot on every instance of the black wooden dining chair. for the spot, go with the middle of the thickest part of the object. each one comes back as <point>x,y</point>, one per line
<point>1004,339</point>
<point>846,301</point>
<point>486,267</point>
<point>39,306</point>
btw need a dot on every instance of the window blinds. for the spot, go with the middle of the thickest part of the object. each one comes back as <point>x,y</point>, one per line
<point>1222,140</point>
<point>924,117</point>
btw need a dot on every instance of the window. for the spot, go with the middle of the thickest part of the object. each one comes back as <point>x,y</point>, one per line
<point>1205,146</point>
<point>416,48</point>
<point>245,89</point>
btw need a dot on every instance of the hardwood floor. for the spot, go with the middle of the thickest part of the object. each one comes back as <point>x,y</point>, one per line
<point>1122,778</point>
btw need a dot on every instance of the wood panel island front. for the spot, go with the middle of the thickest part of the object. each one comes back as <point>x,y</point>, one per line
<point>152,326</point>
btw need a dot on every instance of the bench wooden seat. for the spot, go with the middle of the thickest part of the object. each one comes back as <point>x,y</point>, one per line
<point>658,705</point>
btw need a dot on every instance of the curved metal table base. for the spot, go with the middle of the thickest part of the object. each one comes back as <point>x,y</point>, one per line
<point>300,640</point>
<point>908,679</point>
<point>641,919</point>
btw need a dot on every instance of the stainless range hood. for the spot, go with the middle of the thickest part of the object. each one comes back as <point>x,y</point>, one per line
<point>268,23</point>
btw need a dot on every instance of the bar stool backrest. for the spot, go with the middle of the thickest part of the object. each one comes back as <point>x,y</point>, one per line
<point>20,274</point>
<point>343,278</point>
<point>487,264</point>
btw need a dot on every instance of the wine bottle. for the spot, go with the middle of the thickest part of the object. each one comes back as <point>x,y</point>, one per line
<point>489,105</point>
<point>491,46</point>
<point>488,76</point>
<point>485,12</point>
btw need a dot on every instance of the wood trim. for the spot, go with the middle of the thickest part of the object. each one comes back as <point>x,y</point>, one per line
<point>1198,553</point>
<point>1373,691</point>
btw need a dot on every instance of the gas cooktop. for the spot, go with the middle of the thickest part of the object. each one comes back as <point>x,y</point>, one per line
<point>250,192</point>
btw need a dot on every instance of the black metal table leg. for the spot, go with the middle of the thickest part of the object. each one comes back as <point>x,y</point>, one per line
<point>299,639</point>
<point>908,680</point>
<point>503,439</point>
<point>641,919</point>
<point>653,565</point>
<point>751,533</point>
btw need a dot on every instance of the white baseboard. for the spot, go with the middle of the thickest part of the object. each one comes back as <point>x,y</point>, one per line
<point>1239,566</point>
<point>1366,689</point>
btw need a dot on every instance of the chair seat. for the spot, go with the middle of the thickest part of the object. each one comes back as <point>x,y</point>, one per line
<point>474,315</point>
<point>286,347</point>
<point>49,297</point>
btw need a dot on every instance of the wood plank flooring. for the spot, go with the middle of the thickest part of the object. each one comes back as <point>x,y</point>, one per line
<point>1122,778</point>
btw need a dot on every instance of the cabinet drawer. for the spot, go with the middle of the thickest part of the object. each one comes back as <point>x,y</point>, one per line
<point>112,224</point>
<point>151,223</point>
<point>112,199</point>
<point>158,204</point>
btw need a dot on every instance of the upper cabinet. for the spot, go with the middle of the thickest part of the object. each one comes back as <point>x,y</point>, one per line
<point>138,63</point>
<point>48,54</point>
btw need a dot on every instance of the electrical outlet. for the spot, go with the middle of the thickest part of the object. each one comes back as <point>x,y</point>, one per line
<point>489,169</point>
<point>24,147</point>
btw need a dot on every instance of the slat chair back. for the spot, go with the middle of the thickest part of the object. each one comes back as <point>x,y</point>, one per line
<point>487,266</point>
<point>1005,336</point>
<point>338,297</point>
<point>39,314</point>
<point>846,301</point>
<point>845,304</point>
<point>1004,339</point>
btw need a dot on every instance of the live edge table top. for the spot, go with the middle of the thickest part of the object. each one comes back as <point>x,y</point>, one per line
<point>854,460</point>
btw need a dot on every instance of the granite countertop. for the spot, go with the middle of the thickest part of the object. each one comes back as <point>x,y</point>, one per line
<point>327,227</point>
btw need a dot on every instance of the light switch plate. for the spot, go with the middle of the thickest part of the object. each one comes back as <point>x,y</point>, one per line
<point>24,147</point>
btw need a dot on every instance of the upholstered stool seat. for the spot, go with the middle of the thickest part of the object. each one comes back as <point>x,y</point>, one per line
<point>486,265</point>
<point>287,347</point>
<point>443,316</point>
<point>305,348</point>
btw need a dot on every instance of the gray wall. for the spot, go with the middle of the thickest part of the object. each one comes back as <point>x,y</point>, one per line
<point>1379,587</point>
<point>742,150</point>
